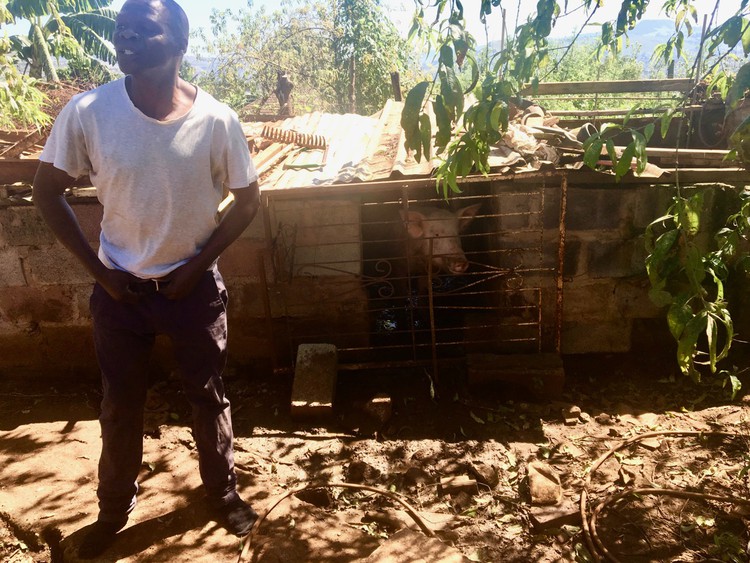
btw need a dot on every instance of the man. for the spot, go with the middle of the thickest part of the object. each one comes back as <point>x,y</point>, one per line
<point>160,152</point>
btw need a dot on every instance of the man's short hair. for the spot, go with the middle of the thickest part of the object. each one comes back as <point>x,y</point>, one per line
<point>178,22</point>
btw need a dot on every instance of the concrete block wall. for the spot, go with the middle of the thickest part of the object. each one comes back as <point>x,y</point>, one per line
<point>606,304</point>
<point>44,292</point>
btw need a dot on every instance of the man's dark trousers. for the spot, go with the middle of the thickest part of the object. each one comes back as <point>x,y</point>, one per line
<point>124,336</point>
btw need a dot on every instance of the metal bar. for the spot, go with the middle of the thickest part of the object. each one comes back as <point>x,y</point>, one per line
<point>267,309</point>
<point>561,263</point>
<point>433,339</point>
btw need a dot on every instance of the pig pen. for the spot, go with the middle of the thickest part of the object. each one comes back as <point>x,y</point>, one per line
<point>393,275</point>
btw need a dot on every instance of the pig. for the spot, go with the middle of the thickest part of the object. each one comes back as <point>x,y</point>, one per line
<point>441,230</point>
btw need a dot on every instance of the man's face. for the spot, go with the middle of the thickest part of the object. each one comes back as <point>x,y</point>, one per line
<point>143,38</point>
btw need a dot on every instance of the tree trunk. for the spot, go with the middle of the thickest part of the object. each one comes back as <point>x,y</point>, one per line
<point>352,84</point>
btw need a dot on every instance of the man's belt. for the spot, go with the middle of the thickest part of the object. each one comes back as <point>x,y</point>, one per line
<point>148,287</point>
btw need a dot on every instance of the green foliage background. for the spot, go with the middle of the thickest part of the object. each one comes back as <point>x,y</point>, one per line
<point>323,47</point>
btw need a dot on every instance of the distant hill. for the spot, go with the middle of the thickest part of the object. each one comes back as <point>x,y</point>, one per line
<point>642,41</point>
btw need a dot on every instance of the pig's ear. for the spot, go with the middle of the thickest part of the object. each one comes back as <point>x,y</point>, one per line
<point>466,215</point>
<point>414,223</point>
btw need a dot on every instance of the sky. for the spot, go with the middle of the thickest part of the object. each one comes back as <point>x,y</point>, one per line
<point>401,11</point>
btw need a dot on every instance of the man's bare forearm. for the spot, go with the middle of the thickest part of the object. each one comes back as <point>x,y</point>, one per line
<point>48,195</point>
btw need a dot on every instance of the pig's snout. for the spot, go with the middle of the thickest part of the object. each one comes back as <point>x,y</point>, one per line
<point>458,266</point>
<point>451,263</point>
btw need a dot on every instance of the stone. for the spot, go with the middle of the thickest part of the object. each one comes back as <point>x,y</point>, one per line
<point>485,474</point>
<point>604,419</point>
<point>367,418</point>
<point>584,417</point>
<point>362,473</point>
<point>461,483</point>
<point>544,484</point>
<point>415,476</point>
<point>565,514</point>
<point>650,443</point>
<point>314,384</point>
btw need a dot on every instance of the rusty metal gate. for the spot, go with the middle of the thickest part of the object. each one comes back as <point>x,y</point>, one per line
<point>350,268</point>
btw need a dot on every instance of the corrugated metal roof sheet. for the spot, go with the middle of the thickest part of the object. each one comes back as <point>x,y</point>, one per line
<point>362,149</point>
<point>359,149</point>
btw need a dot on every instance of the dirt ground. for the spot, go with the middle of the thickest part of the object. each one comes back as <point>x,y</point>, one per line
<point>460,458</point>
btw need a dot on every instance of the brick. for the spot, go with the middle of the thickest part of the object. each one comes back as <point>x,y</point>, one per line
<point>22,226</point>
<point>11,268</point>
<point>588,338</point>
<point>615,208</point>
<point>54,265</point>
<point>314,384</point>
<point>544,484</point>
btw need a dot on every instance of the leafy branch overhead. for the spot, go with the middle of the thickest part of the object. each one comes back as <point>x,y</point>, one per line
<point>464,135</point>
<point>80,29</point>
<point>689,275</point>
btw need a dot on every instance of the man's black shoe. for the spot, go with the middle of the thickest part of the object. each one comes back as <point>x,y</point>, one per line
<point>237,517</point>
<point>98,539</point>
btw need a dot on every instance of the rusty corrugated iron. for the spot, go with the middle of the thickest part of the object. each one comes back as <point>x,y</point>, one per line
<point>358,149</point>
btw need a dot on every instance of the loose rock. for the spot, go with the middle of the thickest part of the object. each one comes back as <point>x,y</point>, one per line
<point>544,484</point>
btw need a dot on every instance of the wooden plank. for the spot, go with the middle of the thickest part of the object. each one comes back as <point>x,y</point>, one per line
<point>18,148</point>
<point>609,87</point>
<point>23,170</point>
<point>14,170</point>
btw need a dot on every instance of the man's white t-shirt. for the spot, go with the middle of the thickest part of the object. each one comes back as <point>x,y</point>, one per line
<point>160,182</point>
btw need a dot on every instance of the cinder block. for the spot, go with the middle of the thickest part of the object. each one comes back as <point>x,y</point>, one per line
<point>632,300</point>
<point>320,237</point>
<point>314,385</point>
<point>616,259</point>
<point>23,226</point>
<point>590,301</point>
<point>54,265</point>
<point>11,268</point>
